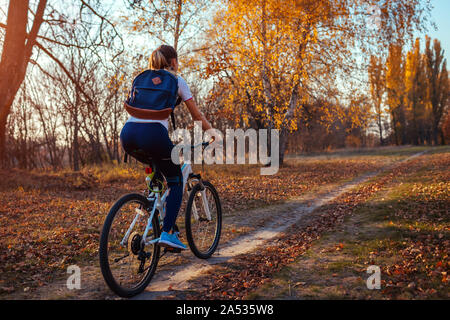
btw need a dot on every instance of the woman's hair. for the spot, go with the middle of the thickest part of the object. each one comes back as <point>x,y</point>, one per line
<point>161,57</point>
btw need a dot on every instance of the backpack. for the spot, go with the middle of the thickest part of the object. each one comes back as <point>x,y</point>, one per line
<point>154,95</point>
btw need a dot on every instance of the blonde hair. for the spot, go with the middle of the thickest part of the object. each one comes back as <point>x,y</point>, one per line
<point>162,57</point>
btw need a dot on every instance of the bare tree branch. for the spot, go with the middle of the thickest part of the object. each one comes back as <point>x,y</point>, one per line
<point>38,19</point>
<point>64,69</point>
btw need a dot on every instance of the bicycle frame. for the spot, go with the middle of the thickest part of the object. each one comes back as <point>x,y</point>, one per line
<point>159,204</point>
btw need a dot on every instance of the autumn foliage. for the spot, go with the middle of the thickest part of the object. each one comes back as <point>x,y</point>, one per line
<point>328,74</point>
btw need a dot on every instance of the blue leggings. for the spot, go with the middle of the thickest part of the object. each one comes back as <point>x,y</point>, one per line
<point>149,142</point>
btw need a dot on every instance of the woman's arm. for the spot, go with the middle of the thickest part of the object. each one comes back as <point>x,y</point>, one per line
<point>197,115</point>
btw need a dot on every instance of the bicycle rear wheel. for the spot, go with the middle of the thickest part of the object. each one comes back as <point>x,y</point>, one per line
<point>203,234</point>
<point>126,264</point>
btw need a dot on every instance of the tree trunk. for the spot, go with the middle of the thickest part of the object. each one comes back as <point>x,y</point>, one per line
<point>17,49</point>
<point>441,132</point>
<point>402,121</point>
<point>176,36</point>
<point>287,117</point>
<point>76,129</point>
<point>396,135</point>
<point>284,134</point>
<point>380,129</point>
<point>75,147</point>
<point>12,64</point>
<point>435,135</point>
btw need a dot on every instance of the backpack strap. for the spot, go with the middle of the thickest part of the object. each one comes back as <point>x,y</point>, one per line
<point>172,116</point>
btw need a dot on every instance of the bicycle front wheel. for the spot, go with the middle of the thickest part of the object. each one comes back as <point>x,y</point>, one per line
<point>203,220</point>
<point>127,264</point>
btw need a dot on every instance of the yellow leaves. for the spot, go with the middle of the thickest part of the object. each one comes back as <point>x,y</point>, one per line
<point>116,82</point>
<point>269,38</point>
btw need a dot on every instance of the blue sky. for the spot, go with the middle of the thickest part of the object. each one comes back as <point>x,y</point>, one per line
<point>441,16</point>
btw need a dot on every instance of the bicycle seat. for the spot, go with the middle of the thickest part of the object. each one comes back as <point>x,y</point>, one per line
<point>142,157</point>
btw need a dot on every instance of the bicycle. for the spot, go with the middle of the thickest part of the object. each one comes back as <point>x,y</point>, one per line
<point>137,242</point>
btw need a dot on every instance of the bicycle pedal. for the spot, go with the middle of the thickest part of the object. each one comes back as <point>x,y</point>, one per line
<point>172,250</point>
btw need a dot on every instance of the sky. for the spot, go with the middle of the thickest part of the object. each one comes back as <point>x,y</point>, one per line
<point>441,16</point>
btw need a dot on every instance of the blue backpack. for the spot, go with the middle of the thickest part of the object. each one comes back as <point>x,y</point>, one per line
<point>154,95</point>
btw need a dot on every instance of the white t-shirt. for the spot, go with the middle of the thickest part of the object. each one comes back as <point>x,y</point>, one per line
<point>183,91</point>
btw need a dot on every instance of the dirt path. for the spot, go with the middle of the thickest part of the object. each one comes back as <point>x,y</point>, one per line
<point>180,277</point>
<point>401,227</point>
<point>171,277</point>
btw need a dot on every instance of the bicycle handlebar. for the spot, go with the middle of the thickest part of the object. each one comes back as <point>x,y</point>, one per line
<point>203,144</point>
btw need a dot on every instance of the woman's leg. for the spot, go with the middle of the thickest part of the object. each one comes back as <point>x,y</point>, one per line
<point>174,179</point>
<point>151,140</point>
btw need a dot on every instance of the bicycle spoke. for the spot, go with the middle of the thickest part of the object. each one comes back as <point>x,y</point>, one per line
<point>122,260</point>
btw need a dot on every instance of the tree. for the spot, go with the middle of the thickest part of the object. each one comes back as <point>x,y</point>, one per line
<point>17,50</point>
<point>172,22</point>
<point>437,84</point>
<point>263,47</point>
<point>415,85</point>
<point>52,151</point>
<point>178,23</point>
<point>47,28</point>
<point>377,84</point>
<point>446,124</point>
<point>395,87</point>
<point>276,56</point>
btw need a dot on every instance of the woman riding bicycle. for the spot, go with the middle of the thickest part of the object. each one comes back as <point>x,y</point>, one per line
<point>147,138</point>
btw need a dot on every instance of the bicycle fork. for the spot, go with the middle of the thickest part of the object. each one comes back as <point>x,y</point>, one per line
<point>205,204</point>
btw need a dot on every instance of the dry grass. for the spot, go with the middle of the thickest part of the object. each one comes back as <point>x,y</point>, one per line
<point>404,228</point>
<point>49,220</point>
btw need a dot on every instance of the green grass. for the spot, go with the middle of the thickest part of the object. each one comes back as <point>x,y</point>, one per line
<point>389,151</point>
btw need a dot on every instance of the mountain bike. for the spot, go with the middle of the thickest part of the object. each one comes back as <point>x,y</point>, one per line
<point>129,250</point>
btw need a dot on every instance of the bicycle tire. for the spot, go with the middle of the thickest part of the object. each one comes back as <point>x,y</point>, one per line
<point>103,249</point>
<point>198,253</point>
